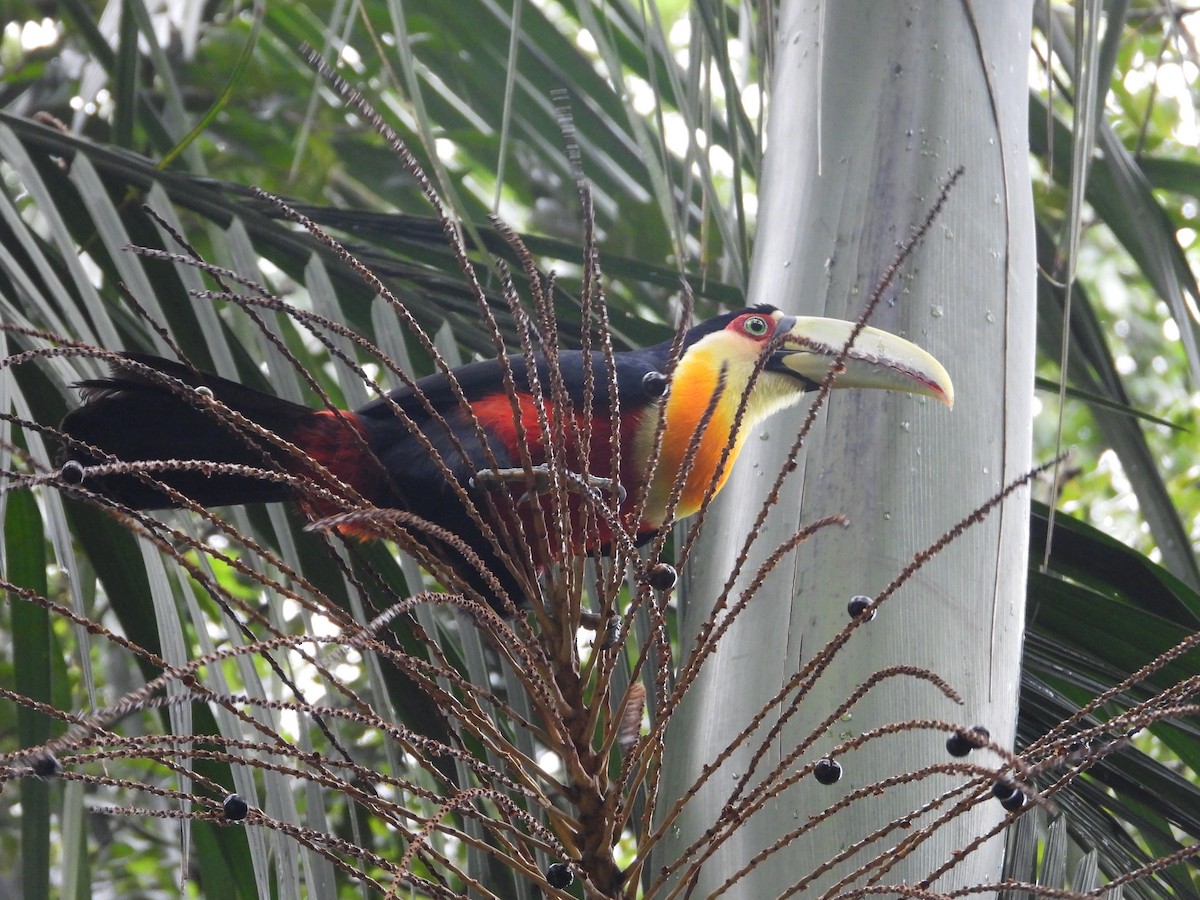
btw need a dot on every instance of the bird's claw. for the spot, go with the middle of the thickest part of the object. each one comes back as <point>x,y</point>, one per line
<point>541,481</point>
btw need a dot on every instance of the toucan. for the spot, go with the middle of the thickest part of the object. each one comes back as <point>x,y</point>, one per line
<point>459,460</point>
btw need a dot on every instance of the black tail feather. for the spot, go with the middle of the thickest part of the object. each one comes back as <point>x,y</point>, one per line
<point>136,415</point>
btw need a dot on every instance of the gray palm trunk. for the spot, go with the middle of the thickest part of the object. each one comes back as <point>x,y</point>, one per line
<point>873,106</point>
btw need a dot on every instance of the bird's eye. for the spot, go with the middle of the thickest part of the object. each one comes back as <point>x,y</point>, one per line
<point>756,326</point>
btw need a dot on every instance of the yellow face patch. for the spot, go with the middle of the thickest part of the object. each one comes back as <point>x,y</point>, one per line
<point>719,365</point>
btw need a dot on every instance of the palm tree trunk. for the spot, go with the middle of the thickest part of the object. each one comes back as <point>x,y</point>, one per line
<point>873,106</point>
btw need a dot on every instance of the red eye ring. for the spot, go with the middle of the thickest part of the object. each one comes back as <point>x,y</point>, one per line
<point>756,326</point>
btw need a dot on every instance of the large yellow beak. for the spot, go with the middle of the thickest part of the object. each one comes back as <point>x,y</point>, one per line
<point>876,360</point>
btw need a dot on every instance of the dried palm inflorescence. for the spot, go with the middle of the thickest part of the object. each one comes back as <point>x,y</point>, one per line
<point>534,756</point>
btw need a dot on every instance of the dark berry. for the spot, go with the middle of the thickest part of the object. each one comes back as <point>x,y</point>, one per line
<point>1078,750</point>
<point>1013,801</point>
<point>654,385</point>
<point>858,605</point>
<point>1010,796</point>
<point>559,875</point>
<point>71,472</point>
<point>963,742</point>
<point>662,576</point>
<point>235,807</point>
<point>46,766</point>
<point>828,771</point>
<point>958,745</point>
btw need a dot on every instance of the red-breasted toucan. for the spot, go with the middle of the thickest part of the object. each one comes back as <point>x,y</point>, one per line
<point>386,452</point>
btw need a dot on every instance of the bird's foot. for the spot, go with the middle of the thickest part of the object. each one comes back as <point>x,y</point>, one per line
<point>540,480</point>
